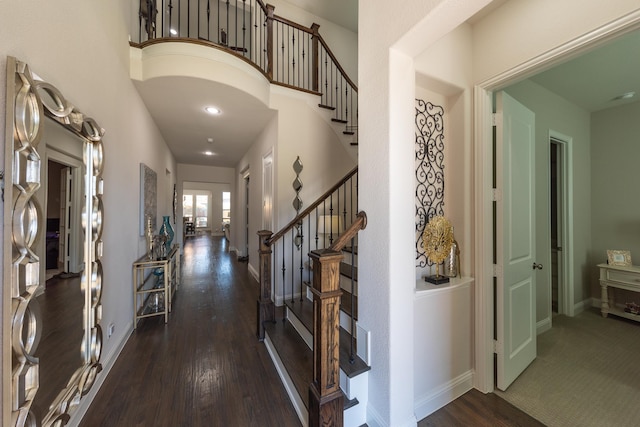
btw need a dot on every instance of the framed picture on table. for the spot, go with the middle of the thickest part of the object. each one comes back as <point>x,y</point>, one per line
<point>621,258</point>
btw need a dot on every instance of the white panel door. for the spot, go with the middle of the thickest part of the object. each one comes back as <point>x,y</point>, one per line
<point>66,206</point>
<point>267,192</point>
<point>515,229</point>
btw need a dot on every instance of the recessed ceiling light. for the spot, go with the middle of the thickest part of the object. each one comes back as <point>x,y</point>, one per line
<point>213,110</point>
<point>208,153</point>
<point>626,95</point>
<point>173,31</point>
<point>210,140</point>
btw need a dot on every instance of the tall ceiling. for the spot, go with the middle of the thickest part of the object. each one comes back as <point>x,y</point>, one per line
<point>341,12</point>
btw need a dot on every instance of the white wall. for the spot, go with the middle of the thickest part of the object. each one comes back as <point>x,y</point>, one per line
<point>555,113</point>
<point>615,175</point>
<point>87,59</point>
<point>523,29</point>
<point>202,177</point>
<point>443,73</point>
<point>502,40</point>
<point>342,41</point>
<point>298,130</point>
<point>214,191</point>
<point>444,76</point>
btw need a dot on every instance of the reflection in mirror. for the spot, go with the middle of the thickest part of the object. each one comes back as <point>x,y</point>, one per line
<point>59,299</point>
<point>52,267</point>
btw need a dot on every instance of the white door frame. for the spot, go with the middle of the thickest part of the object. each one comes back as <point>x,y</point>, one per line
<point>566,303</point>
<point>483,164</point>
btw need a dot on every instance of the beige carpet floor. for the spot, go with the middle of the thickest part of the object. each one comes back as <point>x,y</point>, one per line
<point>587,374</point>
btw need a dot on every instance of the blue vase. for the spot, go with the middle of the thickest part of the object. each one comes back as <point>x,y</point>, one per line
<point>167,230</point>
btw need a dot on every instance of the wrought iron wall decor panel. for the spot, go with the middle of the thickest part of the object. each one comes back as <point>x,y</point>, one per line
<point>28,101</point>
<point>297,201</point>
<point>429,170</point>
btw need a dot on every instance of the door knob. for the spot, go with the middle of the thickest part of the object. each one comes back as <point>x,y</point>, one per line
<point>537,266</point>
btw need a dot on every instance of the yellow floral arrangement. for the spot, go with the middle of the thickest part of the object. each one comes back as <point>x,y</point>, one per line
<point>437,239</point>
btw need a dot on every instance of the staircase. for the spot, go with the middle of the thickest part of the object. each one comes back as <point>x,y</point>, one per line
<point>290,344</point>
<point>320,356</point>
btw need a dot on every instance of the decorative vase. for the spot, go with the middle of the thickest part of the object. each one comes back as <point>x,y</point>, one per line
<point>148,233</point>
<point>166,230</point>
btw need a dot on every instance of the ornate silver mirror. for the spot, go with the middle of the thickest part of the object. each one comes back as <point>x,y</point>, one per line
<point>53,213</point>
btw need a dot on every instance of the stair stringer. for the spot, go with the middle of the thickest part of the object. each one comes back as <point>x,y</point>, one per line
<point>296,400</point>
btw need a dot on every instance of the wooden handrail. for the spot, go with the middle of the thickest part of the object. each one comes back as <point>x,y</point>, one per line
<point>359,224</point>
<point>338,66</point>
<point>292,24</point>
<point>308,210</point>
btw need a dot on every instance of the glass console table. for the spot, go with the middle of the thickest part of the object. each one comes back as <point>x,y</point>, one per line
<point>155,281</point>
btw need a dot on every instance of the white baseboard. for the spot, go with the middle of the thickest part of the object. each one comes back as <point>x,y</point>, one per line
<point>446,393</point>
<point>543,326</point>
<point>375,420</point>
<point>107,363</point>
<point>581,306</point>
<point>253,272</point>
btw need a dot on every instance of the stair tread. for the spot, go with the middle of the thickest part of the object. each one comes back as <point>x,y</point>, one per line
<point>347,271</point>
<point>303,310</point>
<point>305,314</point>
<point>347,132</point>
<point>295,355</point>
<point>339,120</point>
<point>327,107</point>
<point>350,249</point>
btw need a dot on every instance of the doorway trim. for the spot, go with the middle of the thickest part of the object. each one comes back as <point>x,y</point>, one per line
<point>566,291</point>
<point>483,165</point>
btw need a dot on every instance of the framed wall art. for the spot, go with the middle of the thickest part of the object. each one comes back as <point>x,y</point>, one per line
<point>148,196</point>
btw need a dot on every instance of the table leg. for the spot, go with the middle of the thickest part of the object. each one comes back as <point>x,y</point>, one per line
<point>605,299</point>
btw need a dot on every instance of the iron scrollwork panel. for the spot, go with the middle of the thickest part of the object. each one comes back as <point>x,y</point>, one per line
<point>429,163</point>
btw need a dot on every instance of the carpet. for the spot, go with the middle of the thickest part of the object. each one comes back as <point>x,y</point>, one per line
<point>587,373</point>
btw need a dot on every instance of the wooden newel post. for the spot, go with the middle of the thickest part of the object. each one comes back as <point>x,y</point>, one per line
<point>326,405</point>
<point>266,308</point>
<point>270,12</point>
<point>315,66</point>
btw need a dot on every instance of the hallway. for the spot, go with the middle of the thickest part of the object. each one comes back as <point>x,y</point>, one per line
<point>203,368</point>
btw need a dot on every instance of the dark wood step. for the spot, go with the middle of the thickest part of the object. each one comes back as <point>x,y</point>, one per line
<point>303,310</point>
<point>297,358</point>
<point>348,132</point>
<point>305,314</point>
<point>345,304</point>
<point>354,144</point>
<point>350,249</point>
<point>349,271</point>
<point>327,107</point>
<point>339,121</point>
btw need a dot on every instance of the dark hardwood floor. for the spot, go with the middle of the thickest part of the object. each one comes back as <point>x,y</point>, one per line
<point>203,368</point>
<point>206,367</point>
<point>475,409</point>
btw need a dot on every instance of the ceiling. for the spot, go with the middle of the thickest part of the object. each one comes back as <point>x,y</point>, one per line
<point>177,104</point>
<point>341,12</point>
<point>592,81</point>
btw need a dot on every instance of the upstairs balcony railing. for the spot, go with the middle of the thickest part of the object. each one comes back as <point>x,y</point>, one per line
<point>287,53</point>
